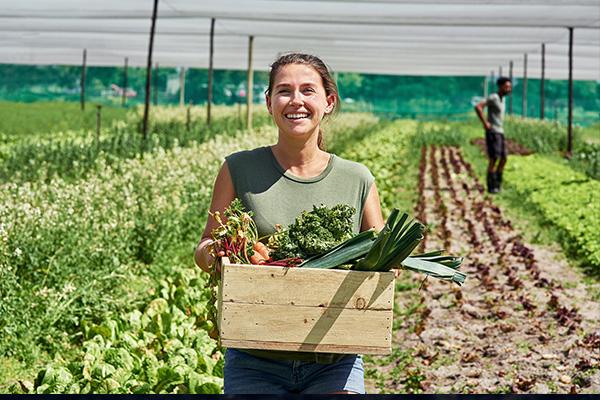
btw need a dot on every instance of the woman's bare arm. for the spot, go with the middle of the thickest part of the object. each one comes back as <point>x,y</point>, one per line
<point>223,194</point>
<point>372,217</point>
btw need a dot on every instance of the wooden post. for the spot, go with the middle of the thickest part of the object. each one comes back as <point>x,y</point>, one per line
<point>98,123</point>
<point>82,91</point>
<point>124,97</point>
<point>155,84</point>
<point>524,104</point>
<point>188,117</point>
<point>182,87</point>
<point>485,87</point>
<point>570,118</point>
<point>543,80</point>
<point>250,85</point>
<point>148,75</point>
<point>492,82</point>
<point>510,76</point>
<point>210,71</point>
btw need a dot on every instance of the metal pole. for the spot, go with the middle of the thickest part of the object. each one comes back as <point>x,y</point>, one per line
<point>570,121</point>
<point>524,111</point>
<point>148,74</point>
<point>499,71</point>
<point>82,94</point>
<point>492,81</point>
<point>250,85</point>
<point>182,87</point>
<point>209,98</point>
<point>510,76</point>
<point>155,84</point>
<point>543,80</point>
<point>124,98</point>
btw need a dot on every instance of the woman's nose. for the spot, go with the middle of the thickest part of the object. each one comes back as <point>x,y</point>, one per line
<point>296,98</point>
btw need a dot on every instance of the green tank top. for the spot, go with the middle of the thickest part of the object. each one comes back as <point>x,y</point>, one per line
<point>277,197</point>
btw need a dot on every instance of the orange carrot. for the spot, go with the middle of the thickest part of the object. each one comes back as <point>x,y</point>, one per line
<point>262,249</point>
<point>257,258</point>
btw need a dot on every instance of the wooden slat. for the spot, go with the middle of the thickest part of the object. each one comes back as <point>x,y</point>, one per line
<point>308,325</point>
<point>308,287</point>
<point>321,348</point>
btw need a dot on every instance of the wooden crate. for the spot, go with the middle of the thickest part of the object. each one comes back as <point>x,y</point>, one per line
<point>304,309</point>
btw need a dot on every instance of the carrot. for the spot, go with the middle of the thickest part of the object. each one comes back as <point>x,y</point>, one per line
<point>262,249</point>
<point>257,258</point>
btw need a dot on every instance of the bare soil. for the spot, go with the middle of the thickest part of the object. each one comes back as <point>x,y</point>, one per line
<point>523,322</point>
<point>512,147</point>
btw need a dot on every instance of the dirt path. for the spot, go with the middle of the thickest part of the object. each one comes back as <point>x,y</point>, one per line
<point>522,322</point>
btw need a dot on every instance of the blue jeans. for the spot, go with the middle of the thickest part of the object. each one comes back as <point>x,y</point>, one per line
<point>247,374</point>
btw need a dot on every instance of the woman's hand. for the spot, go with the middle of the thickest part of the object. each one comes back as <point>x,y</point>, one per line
<point>204,255</point>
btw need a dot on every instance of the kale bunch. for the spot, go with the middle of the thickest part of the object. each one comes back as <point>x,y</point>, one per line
<point>313,232</point>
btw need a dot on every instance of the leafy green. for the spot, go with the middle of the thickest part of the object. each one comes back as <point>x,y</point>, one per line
<point>347,251</point>
<point>395,242</point>
<point>313,232</point>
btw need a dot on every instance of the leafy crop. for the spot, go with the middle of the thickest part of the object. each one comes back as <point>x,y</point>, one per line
<point>73,154</point>
<point>162,348</point>
<point>313,232</point>
<point>567,199</point>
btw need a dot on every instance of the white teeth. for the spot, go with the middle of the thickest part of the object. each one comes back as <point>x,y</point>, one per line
<point>296,116</point>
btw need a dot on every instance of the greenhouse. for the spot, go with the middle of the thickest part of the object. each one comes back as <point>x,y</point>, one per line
<point>185,184</point>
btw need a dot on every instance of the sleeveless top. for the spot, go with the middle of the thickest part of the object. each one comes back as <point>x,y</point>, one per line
<point>495,113</point>
<point>277,197</point>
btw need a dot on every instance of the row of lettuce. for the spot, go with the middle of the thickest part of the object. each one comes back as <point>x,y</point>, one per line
<point>568,201</point>
<point>551,138</point>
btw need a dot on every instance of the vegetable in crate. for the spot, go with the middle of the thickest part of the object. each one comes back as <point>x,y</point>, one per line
<point>237,235</point>
<point>391,248</point>
<point>380,252</point>
<point>313,232</point>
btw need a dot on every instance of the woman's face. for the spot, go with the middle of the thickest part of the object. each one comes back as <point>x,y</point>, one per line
<point>298,100</point>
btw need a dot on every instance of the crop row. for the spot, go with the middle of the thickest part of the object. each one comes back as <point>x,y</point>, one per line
<point>71,156</point>
<point>500,236</point>
<point>567,199</point>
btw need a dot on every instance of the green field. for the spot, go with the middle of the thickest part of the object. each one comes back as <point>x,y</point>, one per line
<point>98,290</point>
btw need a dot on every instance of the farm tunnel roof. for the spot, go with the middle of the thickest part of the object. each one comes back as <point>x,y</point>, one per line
<point>437,38</point>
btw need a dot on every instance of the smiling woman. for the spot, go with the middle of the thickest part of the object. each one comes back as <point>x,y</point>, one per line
<point>277,183</point>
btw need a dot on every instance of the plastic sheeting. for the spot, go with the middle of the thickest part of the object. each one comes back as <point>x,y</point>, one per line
<point>441,37</point>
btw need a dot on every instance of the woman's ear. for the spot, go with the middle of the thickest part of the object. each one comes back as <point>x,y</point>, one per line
<point>330,104</point>
<point>268,101</point>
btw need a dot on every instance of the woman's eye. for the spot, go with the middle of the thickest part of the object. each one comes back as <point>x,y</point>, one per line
<point>309,90</point>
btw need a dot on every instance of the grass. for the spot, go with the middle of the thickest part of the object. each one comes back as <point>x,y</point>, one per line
<point>43,119</point>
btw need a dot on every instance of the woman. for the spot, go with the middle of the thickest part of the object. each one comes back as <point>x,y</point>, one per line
<point>277,183</point>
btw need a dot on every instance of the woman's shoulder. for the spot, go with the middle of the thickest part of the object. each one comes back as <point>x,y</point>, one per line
<point>353,167</point>
<point>246,155</point>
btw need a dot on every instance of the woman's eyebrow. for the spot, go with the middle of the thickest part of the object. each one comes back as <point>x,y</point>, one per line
<point>309,83</point>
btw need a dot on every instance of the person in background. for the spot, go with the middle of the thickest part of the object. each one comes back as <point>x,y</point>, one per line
<point>494,133</point>
<point>277,183</point>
